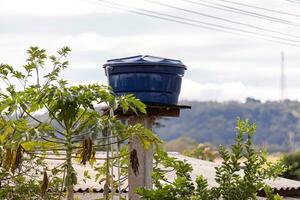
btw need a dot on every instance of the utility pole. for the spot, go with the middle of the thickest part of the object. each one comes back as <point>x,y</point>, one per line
<point>282,78</point>
<point>291,139</point>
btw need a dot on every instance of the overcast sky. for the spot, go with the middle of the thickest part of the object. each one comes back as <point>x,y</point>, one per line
<point>221,66</point>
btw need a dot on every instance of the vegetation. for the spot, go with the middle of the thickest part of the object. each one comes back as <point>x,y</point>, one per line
<point>293,161</point>
<point>213,122</point>
<point>180,144</point>
<point>74,130</point>
<point>191,148</point>
<point>232,184</point>
<point>202,151</point>
<point>68,133</point>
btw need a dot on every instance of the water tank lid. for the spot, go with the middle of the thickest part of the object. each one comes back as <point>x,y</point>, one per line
<point>144,60</point>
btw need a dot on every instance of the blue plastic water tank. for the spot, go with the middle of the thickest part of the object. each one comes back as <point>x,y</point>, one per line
<point>153,80</point>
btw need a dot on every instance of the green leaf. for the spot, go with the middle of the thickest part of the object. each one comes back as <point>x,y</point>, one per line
<point>31,145</point>
<point>6,132</point>
<point>86,174</point>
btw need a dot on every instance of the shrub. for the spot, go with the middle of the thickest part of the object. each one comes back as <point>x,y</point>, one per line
<point>232,185</point>
<point>293,161</point>
<point>202,151</point>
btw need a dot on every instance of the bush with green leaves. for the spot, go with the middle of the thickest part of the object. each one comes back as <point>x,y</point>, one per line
<point>293,162</point>
<point>202,151</point>
<point>236,179</point>
<point>26,188</point>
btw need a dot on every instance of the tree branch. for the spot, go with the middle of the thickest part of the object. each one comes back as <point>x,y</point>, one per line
<point>82,114</point>
<point>54,116</point>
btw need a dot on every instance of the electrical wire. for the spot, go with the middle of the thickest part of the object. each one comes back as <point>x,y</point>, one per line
<point>260,8</point>
<point>223,9</point>
<point>197,23</point>
<point>293,1</point>
<point>220,18</point>
<point>242,12</point>
<point>101,2</point>
<point>254,13</point>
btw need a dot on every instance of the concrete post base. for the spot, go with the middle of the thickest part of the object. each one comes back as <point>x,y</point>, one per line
<point>140,160</point>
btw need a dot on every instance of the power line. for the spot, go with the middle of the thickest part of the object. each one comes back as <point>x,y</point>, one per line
<point>222,19</point>
<point>202,23</point>
<point>294,1</point>
<point>261,8</point>
<point>254,13</point>
<point>168,18</point>
<point>101,2</point>
<point>242,12</point>
<point>225,9</point>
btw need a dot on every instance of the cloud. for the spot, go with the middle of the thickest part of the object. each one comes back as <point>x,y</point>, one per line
<point>90,48</point>
<point>221,66</point>
<point>66,7</point>
<point>50,8</point>
<point>192,90</point>
<point>232,91</point>
<point>225,76</point>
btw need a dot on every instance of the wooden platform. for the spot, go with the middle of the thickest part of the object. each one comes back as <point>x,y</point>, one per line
<point>156,110</point>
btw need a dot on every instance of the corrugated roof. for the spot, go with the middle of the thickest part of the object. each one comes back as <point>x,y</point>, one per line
<point>200,167</point>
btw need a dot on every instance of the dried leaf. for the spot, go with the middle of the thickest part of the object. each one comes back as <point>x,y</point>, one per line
<point>87,150</point>
<point>134,161</point>
<point>45,184</point>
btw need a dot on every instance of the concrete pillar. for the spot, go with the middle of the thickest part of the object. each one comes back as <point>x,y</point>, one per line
<point>140,160</point>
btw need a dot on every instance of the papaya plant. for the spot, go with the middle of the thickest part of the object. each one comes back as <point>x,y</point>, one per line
<point>74,120</point>
<point>16,125</point>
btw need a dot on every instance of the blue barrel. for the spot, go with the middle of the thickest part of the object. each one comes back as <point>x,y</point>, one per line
<point>153,80</point>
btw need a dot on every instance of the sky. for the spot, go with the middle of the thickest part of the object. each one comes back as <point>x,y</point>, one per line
<point>221,66</point>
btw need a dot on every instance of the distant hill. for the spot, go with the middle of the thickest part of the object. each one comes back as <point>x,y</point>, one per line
<point>278,123</point>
